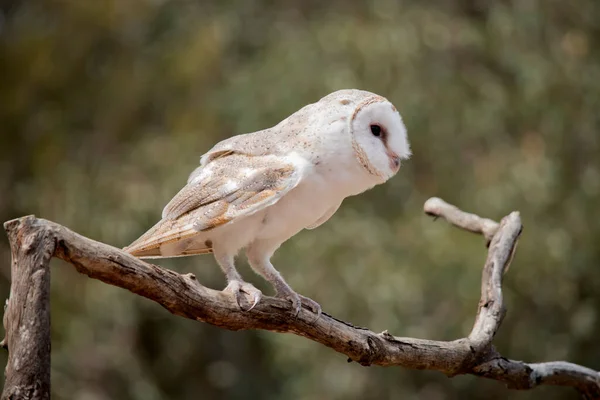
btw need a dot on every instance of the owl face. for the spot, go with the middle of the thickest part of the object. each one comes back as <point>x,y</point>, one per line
<point>379,137</point>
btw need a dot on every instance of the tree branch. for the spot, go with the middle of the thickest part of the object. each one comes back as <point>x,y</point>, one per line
<point>437,207</point>
<point>183,295</point>
<point>27,312</point>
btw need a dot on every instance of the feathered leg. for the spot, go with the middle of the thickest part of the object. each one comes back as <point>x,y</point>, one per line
<point>235,283</point>
<point>259,256</point>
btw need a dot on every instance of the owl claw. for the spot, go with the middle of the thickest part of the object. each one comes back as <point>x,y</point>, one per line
<point>298,301</point>
<point>236,287</point>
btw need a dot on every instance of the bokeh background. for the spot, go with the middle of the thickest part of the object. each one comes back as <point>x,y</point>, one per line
<point>106,106</point>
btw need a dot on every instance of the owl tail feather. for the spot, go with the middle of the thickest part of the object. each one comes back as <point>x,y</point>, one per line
<point>169,250</point>
<point>148,253</point>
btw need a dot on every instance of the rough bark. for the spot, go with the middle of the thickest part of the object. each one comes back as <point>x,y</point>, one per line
<point>34,241</point>
<point>27,312</point>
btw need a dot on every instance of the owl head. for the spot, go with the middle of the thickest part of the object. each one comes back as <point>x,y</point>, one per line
<point>376,130</point>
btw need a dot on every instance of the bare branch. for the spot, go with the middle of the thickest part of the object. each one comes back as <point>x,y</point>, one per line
<point>183,295</point>
<point>437,207</point>
<point>27,312</point>
<point>491,307</point>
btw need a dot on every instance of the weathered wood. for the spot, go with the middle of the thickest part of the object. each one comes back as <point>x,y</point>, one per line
<point>437,207</point>
<point>27,314</point>
<point>34,241</point>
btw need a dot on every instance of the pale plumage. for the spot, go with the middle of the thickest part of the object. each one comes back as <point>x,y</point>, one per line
<point>257,190</point>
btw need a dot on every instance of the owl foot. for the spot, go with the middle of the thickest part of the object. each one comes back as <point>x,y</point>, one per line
<point>238,286</point>
<point>298,301</point>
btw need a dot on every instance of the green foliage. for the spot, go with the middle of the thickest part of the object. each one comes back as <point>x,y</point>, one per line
<point>106,106</point>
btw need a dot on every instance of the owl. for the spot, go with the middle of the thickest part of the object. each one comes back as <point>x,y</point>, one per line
<point>255,191</point>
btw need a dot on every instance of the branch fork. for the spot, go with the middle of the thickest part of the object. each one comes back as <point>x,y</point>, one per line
<point>27,317</point>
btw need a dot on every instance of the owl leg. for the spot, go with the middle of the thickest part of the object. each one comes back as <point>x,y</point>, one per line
<point>259,255</point>
<point>235,284</point>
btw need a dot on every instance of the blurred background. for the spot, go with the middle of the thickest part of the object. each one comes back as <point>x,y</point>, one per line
<point>106,106</point>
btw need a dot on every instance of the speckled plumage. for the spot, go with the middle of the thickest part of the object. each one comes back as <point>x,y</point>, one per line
<point>256,190</point>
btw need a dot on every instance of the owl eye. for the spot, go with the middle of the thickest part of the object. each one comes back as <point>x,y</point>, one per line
<point>376,130</point>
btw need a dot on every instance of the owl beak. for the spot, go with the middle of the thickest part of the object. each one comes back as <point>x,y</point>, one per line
<point>394,161</point>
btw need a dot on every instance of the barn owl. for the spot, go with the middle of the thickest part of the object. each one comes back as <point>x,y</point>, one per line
<point>257,190</point>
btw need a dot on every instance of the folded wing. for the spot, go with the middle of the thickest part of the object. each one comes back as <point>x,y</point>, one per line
<point>226,188</point>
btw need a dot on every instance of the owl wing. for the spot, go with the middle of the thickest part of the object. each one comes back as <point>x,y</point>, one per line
<point>258,143</point>
<point>225,189</point>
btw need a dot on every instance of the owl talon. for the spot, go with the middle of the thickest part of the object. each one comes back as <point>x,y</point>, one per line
<point>298,301</point>
<point>236,287</point>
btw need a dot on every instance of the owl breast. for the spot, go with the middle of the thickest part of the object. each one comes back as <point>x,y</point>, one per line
<point>324,185</point>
